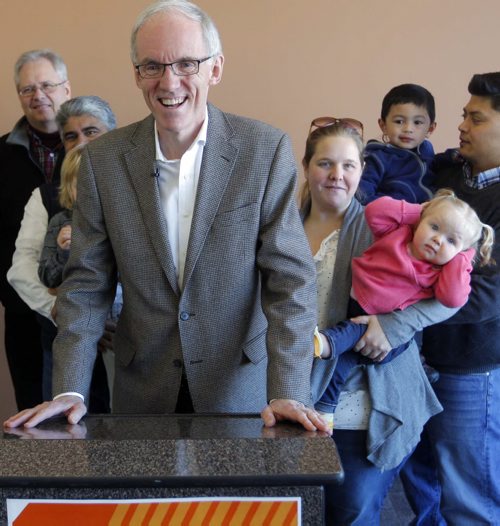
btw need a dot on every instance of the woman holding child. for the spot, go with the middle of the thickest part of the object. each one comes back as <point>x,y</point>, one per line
<point>382,409</point>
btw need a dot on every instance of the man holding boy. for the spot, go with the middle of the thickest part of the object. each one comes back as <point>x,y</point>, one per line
<point>465,349</point>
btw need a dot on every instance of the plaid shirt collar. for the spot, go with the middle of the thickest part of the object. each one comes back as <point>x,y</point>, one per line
<point>482,179</point>
<point>44,155</point>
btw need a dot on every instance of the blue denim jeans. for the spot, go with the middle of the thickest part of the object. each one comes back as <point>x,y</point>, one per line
<point>466,442</point>
<point>358,501</point>
<point>420,481</point>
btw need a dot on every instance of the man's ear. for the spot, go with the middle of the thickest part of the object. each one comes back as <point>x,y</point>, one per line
<point>431,129</point>
<point>67,87</point>
<point>216,72</point>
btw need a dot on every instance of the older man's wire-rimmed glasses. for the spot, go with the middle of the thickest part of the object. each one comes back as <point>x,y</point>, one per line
<point>46,87</point>
<point>323,122</point>
<point>182,68</point>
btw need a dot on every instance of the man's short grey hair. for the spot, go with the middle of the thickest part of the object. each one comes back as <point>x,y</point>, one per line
<point>37,54</point>
<point>86,105</point>
<point>189,10</point>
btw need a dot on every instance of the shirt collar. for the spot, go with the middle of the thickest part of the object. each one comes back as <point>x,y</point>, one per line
<point>200,139</point>
<point>482,179</point>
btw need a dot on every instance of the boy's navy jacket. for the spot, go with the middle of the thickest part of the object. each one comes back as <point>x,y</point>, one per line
<point>397,172</point>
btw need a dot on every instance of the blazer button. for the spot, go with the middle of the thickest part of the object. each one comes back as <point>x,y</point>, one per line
<point>177,363</point>
<point>184,316</point>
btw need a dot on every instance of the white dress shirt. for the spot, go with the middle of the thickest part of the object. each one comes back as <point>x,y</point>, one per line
<point>178,183</point>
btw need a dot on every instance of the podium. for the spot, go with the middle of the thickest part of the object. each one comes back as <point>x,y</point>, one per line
<point>139,460</point>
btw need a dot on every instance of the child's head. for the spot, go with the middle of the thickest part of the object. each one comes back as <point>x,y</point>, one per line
<point>69,173</point>
<point>448,226</point>
<point>408,116</point>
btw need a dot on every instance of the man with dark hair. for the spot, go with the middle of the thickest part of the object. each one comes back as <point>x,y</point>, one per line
<point>195,209</point>
<point>28,158</point>
<point>465,437</point>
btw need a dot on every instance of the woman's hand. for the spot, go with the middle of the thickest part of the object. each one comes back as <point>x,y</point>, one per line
<point>373,344</point>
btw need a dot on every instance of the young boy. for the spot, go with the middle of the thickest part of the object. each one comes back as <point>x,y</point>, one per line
<point>399,166</point>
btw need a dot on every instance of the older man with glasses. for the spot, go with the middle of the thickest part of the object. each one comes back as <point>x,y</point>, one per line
<point>195,208</point>
<point>28,157</point>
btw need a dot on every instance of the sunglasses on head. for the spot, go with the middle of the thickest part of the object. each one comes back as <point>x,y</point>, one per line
<point>323,122</point>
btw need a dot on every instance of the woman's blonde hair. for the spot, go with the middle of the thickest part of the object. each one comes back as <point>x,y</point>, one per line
<point>69,172</point>
<point>479,235</point>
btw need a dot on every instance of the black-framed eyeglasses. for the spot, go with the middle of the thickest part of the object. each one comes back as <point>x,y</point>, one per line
<point>46,87</point>
<point>182,68</point>
<point>323,122</point>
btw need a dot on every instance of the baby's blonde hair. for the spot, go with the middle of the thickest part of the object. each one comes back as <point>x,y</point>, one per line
<point>69,172</point>
<point>480,236</point>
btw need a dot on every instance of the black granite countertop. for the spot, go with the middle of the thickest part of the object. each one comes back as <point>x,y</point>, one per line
<point>166,450</point>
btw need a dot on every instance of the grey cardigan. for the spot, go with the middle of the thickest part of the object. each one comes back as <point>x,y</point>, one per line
<point>402,398</point>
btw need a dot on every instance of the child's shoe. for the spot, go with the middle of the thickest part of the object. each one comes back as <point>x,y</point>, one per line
<point>327,417</point>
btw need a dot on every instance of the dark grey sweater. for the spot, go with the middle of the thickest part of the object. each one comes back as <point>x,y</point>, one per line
<point>469,342</point>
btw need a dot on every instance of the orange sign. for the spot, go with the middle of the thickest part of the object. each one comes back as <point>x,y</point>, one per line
<point>159,512</point>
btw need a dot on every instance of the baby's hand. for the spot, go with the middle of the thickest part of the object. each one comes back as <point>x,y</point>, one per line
<point>64,237</point>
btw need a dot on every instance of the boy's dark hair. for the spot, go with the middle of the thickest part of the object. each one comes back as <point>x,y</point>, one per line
<point>409,94</point>
<point>487,85</point>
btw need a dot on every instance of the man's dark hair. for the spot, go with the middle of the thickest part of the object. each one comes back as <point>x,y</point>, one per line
<point>409,94</point>
<point>487,85</point>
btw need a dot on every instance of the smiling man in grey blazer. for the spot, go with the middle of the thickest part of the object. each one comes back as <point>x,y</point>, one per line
<point>195,210</point>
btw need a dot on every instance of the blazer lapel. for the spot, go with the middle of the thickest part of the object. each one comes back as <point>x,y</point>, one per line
<point>140,161</point>
<point>219,157</point>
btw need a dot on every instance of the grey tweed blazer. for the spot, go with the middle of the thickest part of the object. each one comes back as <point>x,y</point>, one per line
<point>241,327</point>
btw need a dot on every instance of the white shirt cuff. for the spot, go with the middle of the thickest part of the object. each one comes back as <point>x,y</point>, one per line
<point>69,394</point>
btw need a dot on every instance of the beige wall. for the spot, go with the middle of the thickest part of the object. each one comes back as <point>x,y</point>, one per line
<point>287,61</point>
